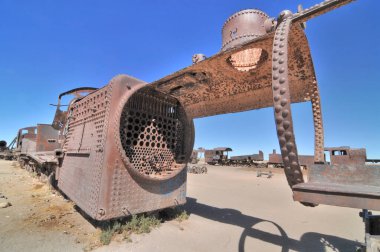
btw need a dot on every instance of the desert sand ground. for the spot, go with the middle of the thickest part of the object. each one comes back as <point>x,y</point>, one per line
<point>230,209</point>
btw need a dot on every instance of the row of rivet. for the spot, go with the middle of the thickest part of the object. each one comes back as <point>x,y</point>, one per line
<point>253,36</point>
<point>318,125</point>
<point>281,100</point>
<point>244,12</point>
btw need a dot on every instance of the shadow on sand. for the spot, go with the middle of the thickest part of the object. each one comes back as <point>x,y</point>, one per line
<point>311,241</point>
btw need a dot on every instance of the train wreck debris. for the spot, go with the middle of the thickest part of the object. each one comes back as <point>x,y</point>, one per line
<point>7,152</point>
<point>123,149</point>
<point>197,169</point>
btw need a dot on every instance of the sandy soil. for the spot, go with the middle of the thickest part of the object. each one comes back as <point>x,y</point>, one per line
<point>39,219</point>
<point>230,208</point>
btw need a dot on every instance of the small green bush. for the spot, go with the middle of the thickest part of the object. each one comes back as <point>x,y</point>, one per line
<point>106,236</point>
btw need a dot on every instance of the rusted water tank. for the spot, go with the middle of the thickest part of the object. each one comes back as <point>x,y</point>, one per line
<point>240,28</point>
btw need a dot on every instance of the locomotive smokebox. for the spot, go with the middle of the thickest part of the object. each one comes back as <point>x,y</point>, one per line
<point>126,150</point>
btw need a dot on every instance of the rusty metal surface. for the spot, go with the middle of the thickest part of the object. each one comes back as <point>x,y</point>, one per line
<point>304,160</point>
<point>222,149</point>
<point>242,27</point>
<point>351,185</point>
<point>213,86</point>
<point>243,77</point>
<point>47,138</point>
<point>255,157</point>
<point>346,155</point>
<point>126,150</point>
<point>60,116</point>
<point>217,155</point>
<point>25,133</point>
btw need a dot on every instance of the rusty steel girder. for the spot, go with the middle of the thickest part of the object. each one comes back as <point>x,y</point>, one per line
<point>264,62</point>
<point>126,150</point>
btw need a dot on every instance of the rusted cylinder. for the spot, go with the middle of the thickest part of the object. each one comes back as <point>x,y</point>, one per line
<point>242,27</point>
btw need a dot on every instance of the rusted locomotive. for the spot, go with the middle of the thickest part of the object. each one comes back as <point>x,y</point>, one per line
<point>219,156</point>
<point>275,160</point>
<point>256,160</point>
<point>123,148</point>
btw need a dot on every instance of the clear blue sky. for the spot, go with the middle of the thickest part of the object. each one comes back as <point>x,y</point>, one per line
<point>47,47</point>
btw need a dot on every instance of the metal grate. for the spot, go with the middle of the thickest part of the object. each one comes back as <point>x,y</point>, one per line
<point>151,133</point>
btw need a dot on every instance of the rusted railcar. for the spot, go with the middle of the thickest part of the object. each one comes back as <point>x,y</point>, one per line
<point>35,148</point>
<point>255,160</point>
<point>217,155</point>
<point>275,160</point>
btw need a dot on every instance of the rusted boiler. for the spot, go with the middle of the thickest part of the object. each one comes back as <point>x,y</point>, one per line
<point>125,150</point>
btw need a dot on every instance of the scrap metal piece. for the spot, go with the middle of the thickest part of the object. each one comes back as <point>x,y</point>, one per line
<point>197,169</point>
<point>260,173</point>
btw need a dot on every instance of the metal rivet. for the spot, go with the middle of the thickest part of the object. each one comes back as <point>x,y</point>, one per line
<point>288,135</point>
<point>295,165</point>
<point>286,124</point>
<point>289,146</point>
<point>284,102</point>
<point>280,131</point>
